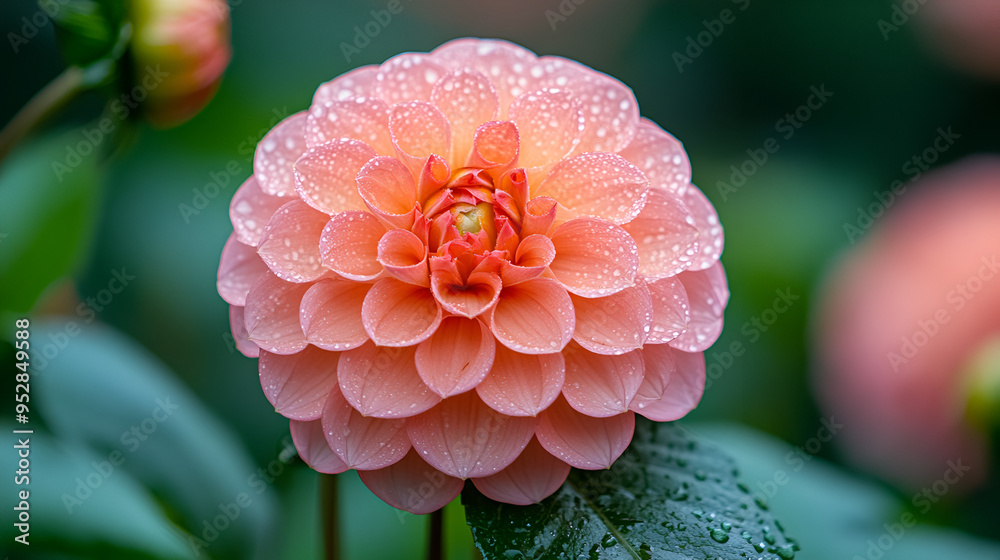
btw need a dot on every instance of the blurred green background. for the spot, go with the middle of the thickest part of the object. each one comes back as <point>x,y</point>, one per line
<point>784,226</point>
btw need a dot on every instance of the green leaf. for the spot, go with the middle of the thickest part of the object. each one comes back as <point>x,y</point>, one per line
<point>669,496</point>
<point>87,30</point>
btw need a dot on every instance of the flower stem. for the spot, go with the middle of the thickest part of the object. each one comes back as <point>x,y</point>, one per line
<point>39,108</point>
<point>435,541</point>
<point>331,525</point>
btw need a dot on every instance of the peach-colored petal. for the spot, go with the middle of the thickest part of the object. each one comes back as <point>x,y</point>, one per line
<point>239,268</point>
<point>495,145</point>
<point>362,118</point>
<point>408,77</point>
<point>362,442</point>
<point>240,338</point>
<point>532,477</point>
<point>349,245</point>
<point>387,187</point>
<point>250,210</point>
<point>413,485</point>
<point>671,310</point>
<point>359,82</point>
<point>509,66</point>
<point>583,441</point>
<point>457,357</point>
<point>400,314</point>
<point>673,384</point>
<point>539,216</point>
<point>550,124</point>
<point>533,317</point>
<point>594,257</point>
<point>298,384</point>
<point>476,294</point>
<point>331,314</point>
<point>383,382</point>
<point>709,229</point>
<point>463,437</point>
<point>276,154</point>
<point>597,184</point>
<point>666,235</point>
<point>661,158</point>
<point>599,385</point>
<point>404,257</point>
<point>707,296</point>
<point>313,449</point>
<point>418,130</point>
<point>290,242</point>
<point>325,176</point>
<point>522,384</point>
<point>467,98</point>
<point>534,254</point>
<point>614,324</point>
<point>272,314</point>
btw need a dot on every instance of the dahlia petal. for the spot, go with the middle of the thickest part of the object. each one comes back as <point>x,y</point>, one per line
<point>404,257</point>
<point>450,436</point>
<point>387,187</point>
<point>349,245</point>
<point>539,216</point>
<point>533,317</point>
<point>674,383</point>
<point>511,68</point>
<point>408,77</point>
<point>710,237</point>
<point>290,242</point>
<point>419,130</point>
<point>361,442</point>
<point>666,235</point>
<point>272,314</point>
<point>250,210</point>
<point>594,257</point>
<point>298,384</point>
<point>671,310</point>
<point>363,118</point>
<point>359,82</point>
<point>467,98</point>
<point>522,384</point>
<point>412,485</point>
<point>383,382</point>
<point>532,477</point>
<point>534,254</point>
<point>330,314</point>
<point>661,158</point>
<point>707,296</point>
<point>241,340</point>
<point>583,441</point>
<point>599,385</point>
<point>495,145</point>
<point>326,175</point>
<point>400,314</point>
<point>597,184</point>
<point>276,154</point>
<point>456,357</point>
<point>614,324</point>
<point>476,294</point>
<point>313,449</point>
<point>550,123</point>
<point>239,268</point>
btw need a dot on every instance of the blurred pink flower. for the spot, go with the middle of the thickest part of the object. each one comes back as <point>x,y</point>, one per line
<point>901,318</point>
<point>472,264</point>
<point>967,32</point>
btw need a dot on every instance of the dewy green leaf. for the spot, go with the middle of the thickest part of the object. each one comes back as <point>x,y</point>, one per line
<point>669,496</point>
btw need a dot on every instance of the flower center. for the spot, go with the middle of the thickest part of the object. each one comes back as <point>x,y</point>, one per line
<point>473,219</point>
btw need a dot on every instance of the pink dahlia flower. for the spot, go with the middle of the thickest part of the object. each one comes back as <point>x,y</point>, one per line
<point>472,264</point>
<point>902,321</point>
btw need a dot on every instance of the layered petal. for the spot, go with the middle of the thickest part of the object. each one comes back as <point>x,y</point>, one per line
<point>673,386</point>
<point>349,245</point>
<point>710,238</point>
<point>362,442</point>
<point>313,449</point>
<point>412,485</point>
<point>707,296</point>
<point>398,314</point>
<point>614,324</point>
<point>457,357</point>
<point>583,441</point>
<point>534,254</point>
<point>532,477</point>
<point>250,210</point>
<point>359,82</point>
<point>533,317</point>
<point>599,385</point>
<point>362,118</point>
<point>671,311</point>
<point>550,124</point>
<point>239,268</point>
<point>467,98</point>
<point>666,235</point>
<point>325,176</point>
<point>298,384</point>
<point>661,158</point>
<point>241,340</point>
<point>522,384</point>
<point>408,77</point>
<point>276,154</point>
<point>419,130</point>
<point>467,298</point>
<point>272,314</point>
<point>510,68</point>
<point>290,242</point>
<point>383,382</point>
<point>495,146</point>
<point>403,255</point>
<point>330,314</point>
<point>597,184</point>
<point>594,257</point>
<point>389,191</point>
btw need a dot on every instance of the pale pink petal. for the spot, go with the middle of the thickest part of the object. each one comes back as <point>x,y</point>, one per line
<point>239,268</point>
<point>250,210</point>
<point>457,357</point>
<point>240,338</point>
<point>276,154</point>
<point>583,441</point>
<point>495,145</point>
<point>400,314</point>
<point>404,257</point>
<point>388,188</point>
<point>290,242</point>
<point>661,158</point>
<point>313,449</point>
<point>671,311</point>
<point>408,77</point>
<point>298,384</point>
<point>326,175</point>
<point>599,385</point>
<point>272,314</point>
<point>363,118</point>
<point>594,257</point>
<point>614,324</point>
<point>349,245</point>
<point>413,485</point>
<point>534,254</point>
<point>467,99</point>
<point>511,68</point>
<point>710,237</point>
<point>707,296</point>
<point>359,82</point>
<point>673,385</point>
<point>383,382</point>
<point>532,477</point>
<point>522,384</point>
<point>597,184</point>
<point>533,317</point>
<point>362,442</point>
<point>331,314</point>
<point>463,437</point>
<point>666,235</point>
<point>418,130</point>
<point>550,124</point>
